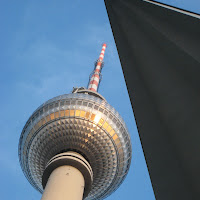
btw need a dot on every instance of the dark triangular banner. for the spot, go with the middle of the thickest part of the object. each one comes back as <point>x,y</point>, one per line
<point>159,50</point>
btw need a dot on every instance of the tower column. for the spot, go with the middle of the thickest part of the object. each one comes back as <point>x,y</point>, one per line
<point>65,182</point>
<point>67,176</point>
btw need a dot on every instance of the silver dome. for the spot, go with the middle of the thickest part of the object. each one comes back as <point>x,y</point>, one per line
<point>85,124</point>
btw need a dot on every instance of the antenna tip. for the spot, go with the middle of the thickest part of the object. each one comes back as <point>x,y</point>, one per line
<point>104,45</point>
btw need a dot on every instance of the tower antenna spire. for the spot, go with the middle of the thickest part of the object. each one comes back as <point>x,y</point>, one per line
<point>95,76</point>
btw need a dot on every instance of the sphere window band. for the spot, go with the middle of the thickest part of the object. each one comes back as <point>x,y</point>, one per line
<point>88,109</point>
<point>71,113</point>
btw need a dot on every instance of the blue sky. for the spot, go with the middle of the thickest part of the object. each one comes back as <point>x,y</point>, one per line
<point>47,47</point>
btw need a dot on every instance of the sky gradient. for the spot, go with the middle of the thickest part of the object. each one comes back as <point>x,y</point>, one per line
<point>47,48</point>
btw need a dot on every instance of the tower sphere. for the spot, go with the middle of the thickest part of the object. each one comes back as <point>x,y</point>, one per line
<point>82,122</point>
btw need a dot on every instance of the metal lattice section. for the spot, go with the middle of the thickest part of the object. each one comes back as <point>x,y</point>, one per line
<point>81,123</point>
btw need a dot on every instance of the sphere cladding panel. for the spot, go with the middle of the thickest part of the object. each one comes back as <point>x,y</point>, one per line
<point>82,123</point>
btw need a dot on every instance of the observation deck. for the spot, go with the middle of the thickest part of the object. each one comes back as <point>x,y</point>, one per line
<point>81,122</point>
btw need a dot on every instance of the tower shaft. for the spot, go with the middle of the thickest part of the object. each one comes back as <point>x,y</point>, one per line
<point>65,182</point>
<point>67,176</point>
<point>95,78</point>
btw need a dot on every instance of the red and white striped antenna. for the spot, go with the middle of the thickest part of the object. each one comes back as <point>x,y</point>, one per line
<point>95,77</point>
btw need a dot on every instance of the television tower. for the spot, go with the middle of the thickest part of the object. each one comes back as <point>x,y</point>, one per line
<point>76,146</point>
